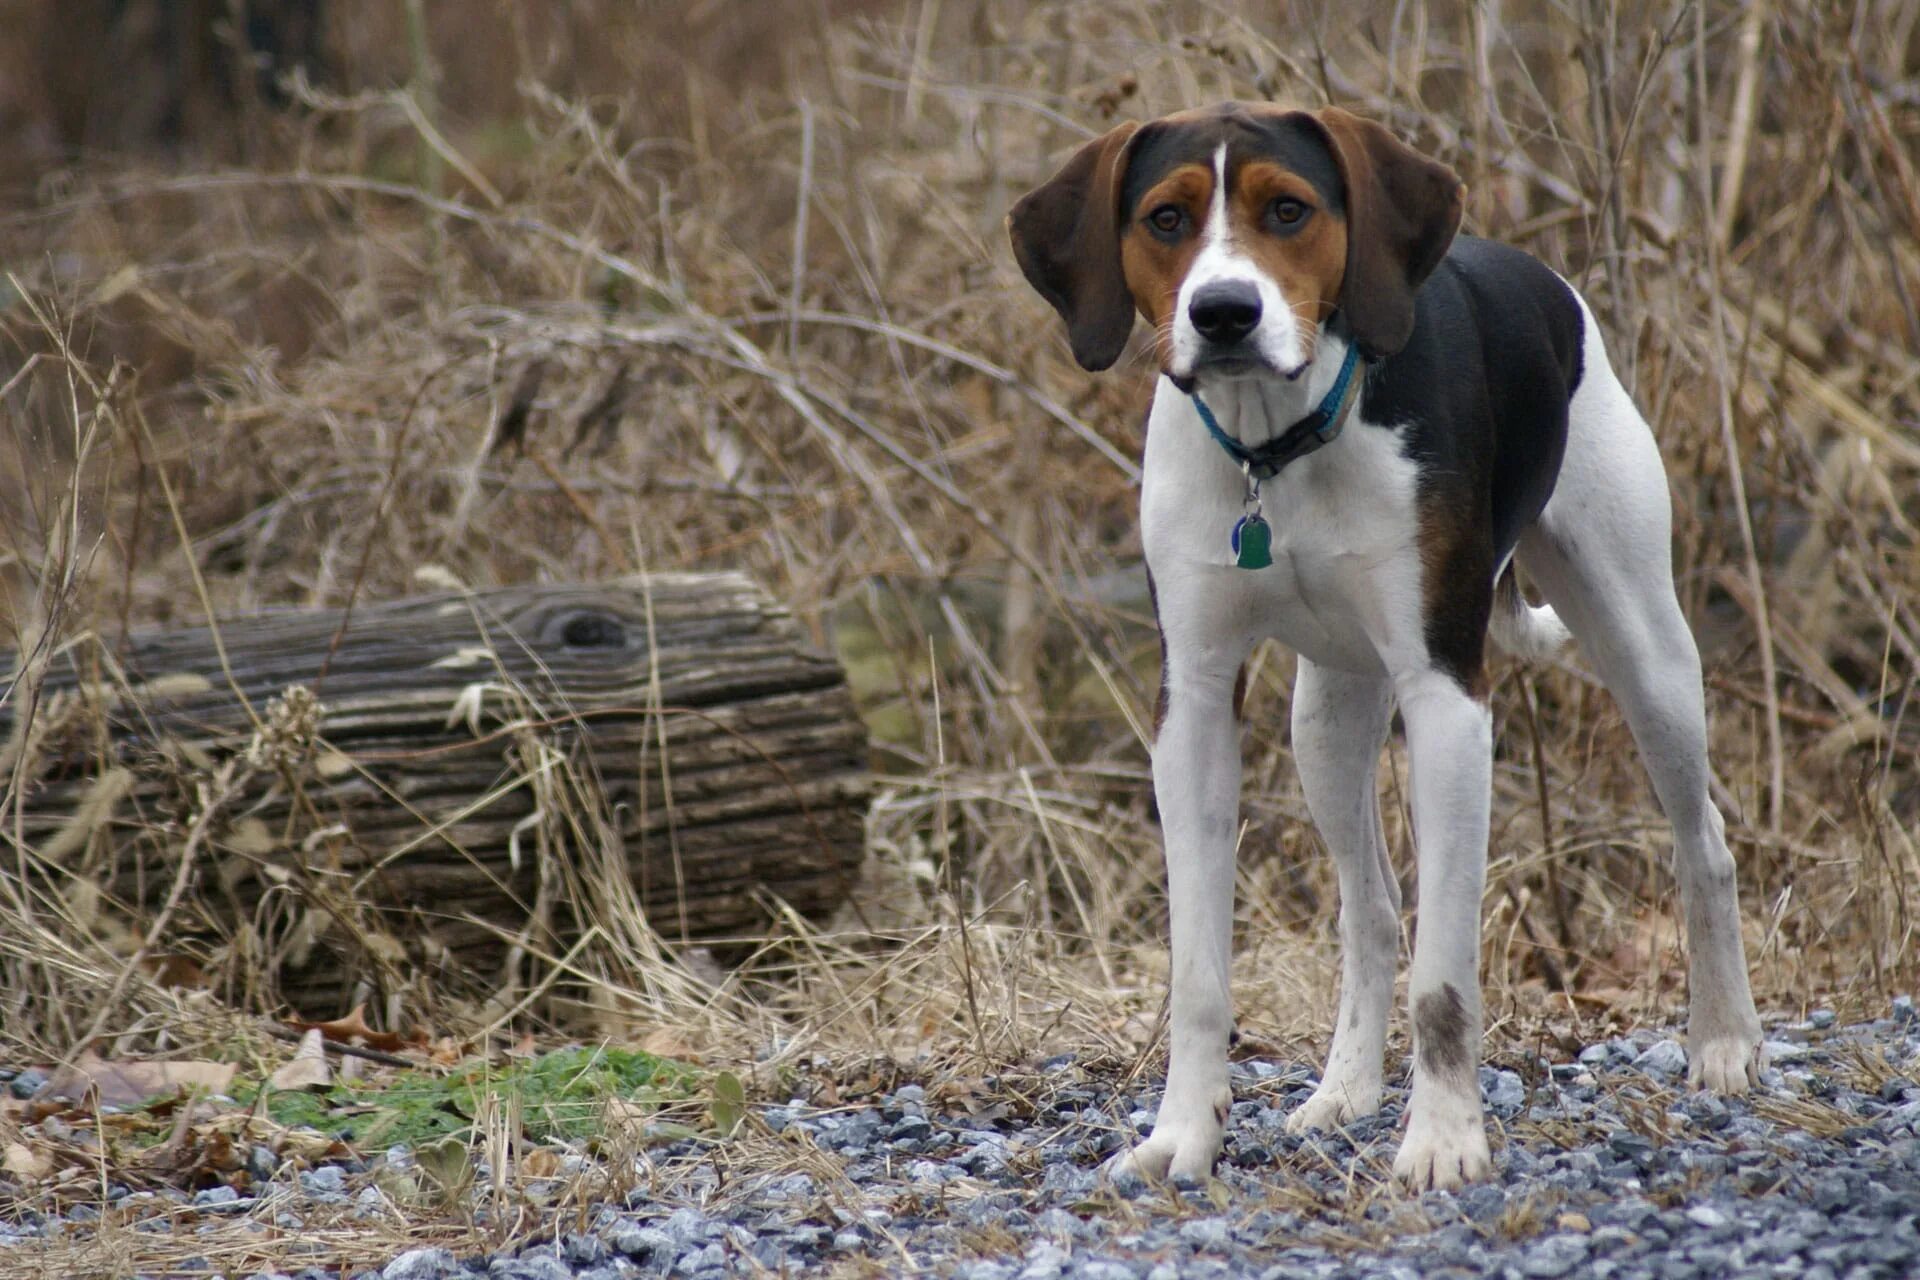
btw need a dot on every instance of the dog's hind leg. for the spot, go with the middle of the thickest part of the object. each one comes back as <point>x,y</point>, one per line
<point>1601,552</point>
<point>1340,720</point>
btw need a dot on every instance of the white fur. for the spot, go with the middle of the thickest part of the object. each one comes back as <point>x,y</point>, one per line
<point>1345,592</point>
<point>1531,633</point>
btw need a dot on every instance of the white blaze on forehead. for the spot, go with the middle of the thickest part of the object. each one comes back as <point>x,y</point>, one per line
<point>1219,230</point>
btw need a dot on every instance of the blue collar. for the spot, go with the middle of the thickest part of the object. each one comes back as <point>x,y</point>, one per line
<point>1321,427</point>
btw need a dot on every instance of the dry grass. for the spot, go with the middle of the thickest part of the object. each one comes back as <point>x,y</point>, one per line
<point>764,276</point>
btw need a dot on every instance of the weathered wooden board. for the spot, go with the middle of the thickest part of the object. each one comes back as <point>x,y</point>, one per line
<point>470,769</point>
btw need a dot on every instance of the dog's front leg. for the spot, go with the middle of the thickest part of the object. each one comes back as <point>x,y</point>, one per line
<point>1196,781</point>
<point>1450,750</point>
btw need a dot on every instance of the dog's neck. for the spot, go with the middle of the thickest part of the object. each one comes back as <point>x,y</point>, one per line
<point>1255,410</point>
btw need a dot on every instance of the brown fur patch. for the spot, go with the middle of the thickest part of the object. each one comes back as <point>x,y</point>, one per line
<point>1309,265</point>
<point>1456,587</point>
<point>1440,1032</point>
<point>1065,237</point>
<point>1154,269</point>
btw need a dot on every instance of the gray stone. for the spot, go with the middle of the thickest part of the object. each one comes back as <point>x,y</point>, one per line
<point>929,1172</point>
<point>1830,1193</point>
<point>583,1250</point>
<point>1207,1233</point>
<point>1705,1215</point>
<point>981,1269</point>
<point>27,1083</point>
<point>326,1182</point>
<point>1045,1261</point>
<point>1504,1091</point>
<point>689,1226</point>
<point>1707,1111</point>
<point>637,1241</point>
<point>1555,1256</point>
<point>533,1266</point>
<point>697,1261</point>
<point>1665,1059</point>
<point>421,1264</point>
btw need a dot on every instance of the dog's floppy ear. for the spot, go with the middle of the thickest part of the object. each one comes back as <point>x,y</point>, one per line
<point>1402,211</point>
<point>1066,237</point>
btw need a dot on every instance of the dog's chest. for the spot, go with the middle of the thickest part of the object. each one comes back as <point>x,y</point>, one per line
<point>1344,583</point>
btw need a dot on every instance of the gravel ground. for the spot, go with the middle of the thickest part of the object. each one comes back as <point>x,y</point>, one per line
<point>1606,1168</point>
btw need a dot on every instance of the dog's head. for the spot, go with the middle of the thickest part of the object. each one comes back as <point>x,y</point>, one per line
<point>1237,231</point>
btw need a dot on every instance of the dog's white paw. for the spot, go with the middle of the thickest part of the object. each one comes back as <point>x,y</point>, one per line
<point>1332,1105</point>
<point>1168,1155</point>
<point>1729,1064</point>
<point>1444,1147</point>
<point>1185,1143</point>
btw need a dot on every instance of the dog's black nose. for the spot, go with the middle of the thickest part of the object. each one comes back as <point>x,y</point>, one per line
<point>1226,311</point>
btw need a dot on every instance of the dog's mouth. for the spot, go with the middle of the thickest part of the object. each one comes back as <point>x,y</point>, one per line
<point>1233,366</point>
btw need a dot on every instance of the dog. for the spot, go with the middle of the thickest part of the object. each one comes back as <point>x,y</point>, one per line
<point>1363,421</point>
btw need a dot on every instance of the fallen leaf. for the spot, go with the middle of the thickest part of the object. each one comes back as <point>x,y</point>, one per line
<point>541,1162</point>
<point>624,1115</point>
<point>665,1042</point>
<point>308,1067</point>
<point>127,1084</point>
<point>448,1165</point>
<point>729,1103</point>
<point>175,971</point>
<point>22,1161</point>
<point>122,282</point>
<point>309,1147</point>
<point>354,1027</point>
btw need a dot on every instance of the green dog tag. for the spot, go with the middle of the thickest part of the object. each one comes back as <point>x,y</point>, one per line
<point>1252,543</point>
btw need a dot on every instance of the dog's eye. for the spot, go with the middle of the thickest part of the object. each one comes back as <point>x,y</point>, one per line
<point>1289,212</point>
<point>1167,219</point>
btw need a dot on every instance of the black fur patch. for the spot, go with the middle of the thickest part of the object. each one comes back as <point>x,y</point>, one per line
<point>1160,698</point>
<point>1480,393</point>
<point>1193,136</point>
<point>1440,1032</point>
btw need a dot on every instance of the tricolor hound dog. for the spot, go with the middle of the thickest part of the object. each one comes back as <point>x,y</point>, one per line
<point>1361,420</point>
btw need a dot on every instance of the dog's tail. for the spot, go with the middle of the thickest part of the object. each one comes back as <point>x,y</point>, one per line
<point>1528,632</point>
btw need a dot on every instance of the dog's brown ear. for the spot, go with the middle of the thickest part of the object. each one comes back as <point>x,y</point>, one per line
<point>1066,237</point>
<point>1402,211</point>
